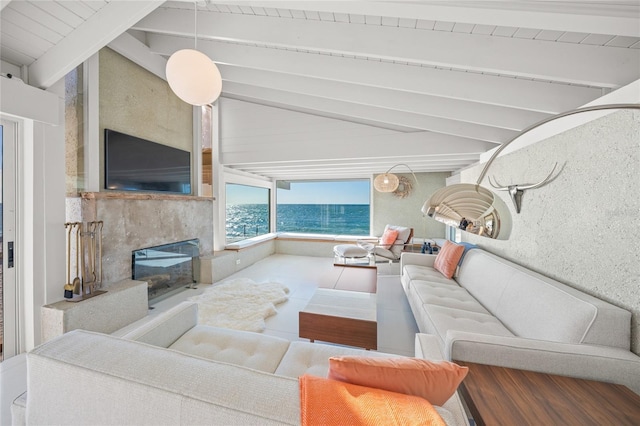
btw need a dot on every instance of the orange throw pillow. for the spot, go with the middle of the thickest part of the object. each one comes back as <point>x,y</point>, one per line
<point>328,402</point>
<point>388,238</point>
<point>448,258</point>
<point>434,381</point>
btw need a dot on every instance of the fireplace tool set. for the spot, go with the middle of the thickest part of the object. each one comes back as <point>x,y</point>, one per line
<point>88,260</point>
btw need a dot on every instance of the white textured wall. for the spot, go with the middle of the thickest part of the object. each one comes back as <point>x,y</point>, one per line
<point>584,227</point>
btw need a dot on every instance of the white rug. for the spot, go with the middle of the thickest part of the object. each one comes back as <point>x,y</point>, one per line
<point>240,304</point>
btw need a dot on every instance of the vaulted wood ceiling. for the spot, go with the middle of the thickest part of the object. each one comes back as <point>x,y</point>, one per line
<point>463,76</point>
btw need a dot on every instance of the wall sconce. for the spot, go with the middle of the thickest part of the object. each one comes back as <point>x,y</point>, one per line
<point>388,182</point>
<point>469,205</point>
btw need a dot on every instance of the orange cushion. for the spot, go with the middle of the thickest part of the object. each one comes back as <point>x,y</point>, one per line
<point>328,402</point>
<point>434,381</point>
<point>448,258</point>
<point>388,238</point>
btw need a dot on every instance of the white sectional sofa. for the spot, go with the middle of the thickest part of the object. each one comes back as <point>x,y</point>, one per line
<point>174,371</point>
<point>496,312</point>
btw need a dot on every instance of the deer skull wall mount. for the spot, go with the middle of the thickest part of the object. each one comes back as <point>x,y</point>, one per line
<point>516,190</point>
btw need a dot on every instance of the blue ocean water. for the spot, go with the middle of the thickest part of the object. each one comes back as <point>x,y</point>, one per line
<point>249,220</point>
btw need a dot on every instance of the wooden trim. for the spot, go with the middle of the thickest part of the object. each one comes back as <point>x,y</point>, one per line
<point>347,265</point>
<point>118,195</point>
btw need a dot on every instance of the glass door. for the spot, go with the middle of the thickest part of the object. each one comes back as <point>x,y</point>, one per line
<point>9,295</point>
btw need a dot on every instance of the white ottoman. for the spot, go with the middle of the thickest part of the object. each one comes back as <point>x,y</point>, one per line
<point>349,251</point>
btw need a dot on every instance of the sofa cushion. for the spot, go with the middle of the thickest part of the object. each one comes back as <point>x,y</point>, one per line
<point>538,307</point>
<point>435,381</point>
<point>311,358</point>
<point>444,319</point>
<point>142,384</point>
<point>253,350</point>
<point>448,258</point>
<point>425,273</point>
<point>449,296</point>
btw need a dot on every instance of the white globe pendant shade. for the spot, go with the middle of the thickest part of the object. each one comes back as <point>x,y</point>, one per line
<point>194,77</point>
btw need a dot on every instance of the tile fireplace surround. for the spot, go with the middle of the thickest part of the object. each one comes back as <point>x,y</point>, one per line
<point>137,220</point>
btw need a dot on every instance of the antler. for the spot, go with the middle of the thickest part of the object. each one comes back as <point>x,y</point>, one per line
<point>516,191</point>
<point>542,182</point>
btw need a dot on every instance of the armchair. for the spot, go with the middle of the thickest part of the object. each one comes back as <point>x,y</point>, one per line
<point>393,251</point>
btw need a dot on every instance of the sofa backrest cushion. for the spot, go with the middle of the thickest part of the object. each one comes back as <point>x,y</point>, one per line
<point>166,328</point>
<point>136,383</point>
<point>534,306</point>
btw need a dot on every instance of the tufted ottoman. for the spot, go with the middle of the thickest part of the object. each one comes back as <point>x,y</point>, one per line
<point>349,251</point>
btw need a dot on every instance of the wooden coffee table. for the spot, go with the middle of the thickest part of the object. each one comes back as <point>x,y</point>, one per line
<point>340,316</point>
<point>506,396</point>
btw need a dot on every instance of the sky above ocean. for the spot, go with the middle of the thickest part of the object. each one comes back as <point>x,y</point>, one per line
<point>310,192</point>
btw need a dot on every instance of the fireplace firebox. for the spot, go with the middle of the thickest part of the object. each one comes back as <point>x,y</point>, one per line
<point>167,269</point>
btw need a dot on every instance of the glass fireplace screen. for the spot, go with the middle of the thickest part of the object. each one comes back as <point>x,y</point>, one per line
<point>167,269</point>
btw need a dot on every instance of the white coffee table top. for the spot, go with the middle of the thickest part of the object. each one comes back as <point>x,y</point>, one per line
<point>343,303</point>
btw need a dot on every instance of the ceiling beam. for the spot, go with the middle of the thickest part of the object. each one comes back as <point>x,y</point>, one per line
<point>136,51</point>
<point>92,35</point>
<point>488,89</point>
<point>564,62</point>
<point>401,101</point>
<point>386,118</point>
<point>577,16</point>
<point>375,146</point>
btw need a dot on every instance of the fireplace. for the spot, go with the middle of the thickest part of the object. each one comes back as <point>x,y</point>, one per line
<point>167,269</point>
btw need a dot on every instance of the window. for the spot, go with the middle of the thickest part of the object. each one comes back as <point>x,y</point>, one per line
<point>247,211</point>
<point>324,207</point>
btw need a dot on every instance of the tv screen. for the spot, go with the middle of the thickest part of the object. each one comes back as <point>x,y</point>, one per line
<point>134,164</point>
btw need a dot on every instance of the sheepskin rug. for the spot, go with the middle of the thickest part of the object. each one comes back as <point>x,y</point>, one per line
<point>240,304</point>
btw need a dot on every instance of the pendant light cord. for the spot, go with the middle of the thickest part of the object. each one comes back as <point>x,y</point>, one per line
<point>195,25</point>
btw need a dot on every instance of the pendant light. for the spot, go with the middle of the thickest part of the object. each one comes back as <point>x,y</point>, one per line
<point>192,76</point>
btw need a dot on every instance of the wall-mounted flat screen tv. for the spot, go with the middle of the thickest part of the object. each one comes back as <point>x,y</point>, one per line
<point>134,164</point>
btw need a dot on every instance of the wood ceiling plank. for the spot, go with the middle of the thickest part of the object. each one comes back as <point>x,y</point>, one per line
<point>44,18</point>
<point>79,8</point>
<point>34,32</point>
<point>21,40</point>
<point>55,9</point>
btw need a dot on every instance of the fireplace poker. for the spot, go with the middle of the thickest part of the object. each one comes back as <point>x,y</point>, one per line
<point>68,287</point>
<point>77,283</point>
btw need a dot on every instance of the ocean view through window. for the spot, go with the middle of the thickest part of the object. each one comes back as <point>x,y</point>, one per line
<point>247,211</point>
<point>313,207</point>
<point>324,207</point>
